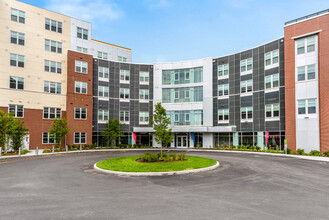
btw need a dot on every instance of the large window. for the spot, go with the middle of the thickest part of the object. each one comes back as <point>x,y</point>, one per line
<point>102,55</point>
<point>17,38</point>
<point>53,67</point>
<point>124,116</point>
<point>306,45</point>
<point>80,113</point>
<point>223,90</point>
<point>144,94</point>
<point>51,113</point>
<point>53,46</point>
<point>272,110</point>
<point>79,137</point>
<point>143,117</point>
<point>182,76</point>
<point>122,59</point>
<point>103,73</point>
<point>82,33</point>
<point>53,25</point>
<point>182,118</point>
<point>246,65</point>
<point>103,91</point>
<point>16,83</point>
<point>124,76</point>
<point>17,109</point>
<point>223,115</point>
<point>82,49</point>
<point>272,81</point>
<point>246,86</point>
<point>81,67</point>
<point>307,106</point>
<point>47,138</point>
<point>246,113</point>
<point>144,78</point>
<point>271,58</point>
<point>223,70</point>
<point>18,16</point>
<point>177,95</point>
<point>103,115</point>
<point>16,60</point>
<point>80,87</point>
<point>124,93</point>
<point>52,87</point>
<point>306,72</point>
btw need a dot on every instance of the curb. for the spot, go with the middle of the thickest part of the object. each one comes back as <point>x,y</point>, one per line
<point>119,173</point>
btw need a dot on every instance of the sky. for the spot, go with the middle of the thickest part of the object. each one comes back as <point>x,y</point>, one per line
<point>179,30</point>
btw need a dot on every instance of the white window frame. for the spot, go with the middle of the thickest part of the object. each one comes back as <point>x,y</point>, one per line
<point>125,115</point>
<point>221,88</point>
<point>18,37</point>
<point>221,71</point>
<point>16,82</point>
<point>144,78</point>
<point>123,76</point>
<point>20,15</point>
<point>245,84</point>
<point>185,119</point>
<point>306,44</point>
<point>79,109</point>
<point>78,84</point>
<point>271,77</point>
<point>306,72</point>
<point>51,85</point>
<point>102,72</point>
<point>244,63</point>
<point>126,91</point>
<point>16,107</point>
<point>80,135</point>
<point>49,64</point>
<point>103,116</point>
<point>58,25</point>
<point>144,95</point>
<point>101,92</point>
<point>50,43</point>
<point>81,67</point>
<point>55,112</point>
<point>187,73</point>
<point>82,49</point>
<point>84,33</point>
<point>272,117</point>
<point>307,114</point>
<point>102,55</point>
<point>247,119</point>
<point>273,56</point>
<point>222,112</point>
<point>18,59</point>
<point>48,138</point>
<point>144,117</point>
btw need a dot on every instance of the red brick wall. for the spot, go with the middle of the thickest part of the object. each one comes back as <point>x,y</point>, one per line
<point>308,26</point>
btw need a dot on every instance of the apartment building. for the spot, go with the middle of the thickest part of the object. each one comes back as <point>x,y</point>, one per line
<point>51,67</point>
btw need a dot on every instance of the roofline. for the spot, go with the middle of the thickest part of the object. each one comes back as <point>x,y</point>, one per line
<point>110,44</point>
<point>307,17</point>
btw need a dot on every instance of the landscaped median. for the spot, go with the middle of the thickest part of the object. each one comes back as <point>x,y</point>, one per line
<point>134,166</point>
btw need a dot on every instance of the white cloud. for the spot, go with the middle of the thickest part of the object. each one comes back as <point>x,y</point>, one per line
<point>101,10</point>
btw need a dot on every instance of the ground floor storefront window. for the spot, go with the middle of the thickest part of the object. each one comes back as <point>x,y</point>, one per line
<point>142,139</point>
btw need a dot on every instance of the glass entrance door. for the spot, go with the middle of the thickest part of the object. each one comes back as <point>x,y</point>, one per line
<point>182,141</point>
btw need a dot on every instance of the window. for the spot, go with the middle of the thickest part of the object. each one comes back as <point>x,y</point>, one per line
<point>82,33</point>
<point>52,87</point>
<point>102,55</point>
<point>246,86</point>
<point>17,38</point>
<point>16,83</point>
<point>309,42</point>
<point>47,138</point>
<point>246,65</point>
<point>16,60</point>
<point>18,16</point>
<point>310,70</point>
<point>124,93</point>
<point>79,137</point>
<point>182,76</point>
<point>53,46</point>
<point>53,25</point>
<point>272,81</point>
<point>246,113</point>
<point>144,94</point>
<point>103,91</point>
<point>143,117</point>
<point>80,113</point>
<point>223,90</point>
<point>272,57</point>
<point>53,67</point>
<point>144,78</point>
<point>51,113</point>
<point>187,76</point>
<point>80,87</point>
<point>122,59</point>
<point>17,109</point>
<point>103,115</point>
<point>187,117</point>
<point>223,70</point>
<point>272,111</point>
<point>103,73</point>
<point>124,116</point>
<point>222,115</point>
<point>306,106</point>
<point>82,50</point>
<point>81,67</point>
<point>124,76</point>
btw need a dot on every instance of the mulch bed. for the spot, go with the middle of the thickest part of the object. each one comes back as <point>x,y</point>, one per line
<point>158,161</point>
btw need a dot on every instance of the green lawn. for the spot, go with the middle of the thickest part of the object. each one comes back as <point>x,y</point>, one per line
<point>129,164</point>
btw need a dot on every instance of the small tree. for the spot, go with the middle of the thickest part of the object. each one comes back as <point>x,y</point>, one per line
<point>112,131</point>
<point>59,130</point>
<point>16,133</point>
<point>6,121</point>
<point>160,124</point>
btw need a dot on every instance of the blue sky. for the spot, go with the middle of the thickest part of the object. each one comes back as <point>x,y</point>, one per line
<point>177,30</point>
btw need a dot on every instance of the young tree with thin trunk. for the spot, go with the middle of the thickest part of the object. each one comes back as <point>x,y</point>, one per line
<point>6,121</point>
<point>161,124</point>
<point>16,133</point>
<point>112,131</point>
<point>59,130</point>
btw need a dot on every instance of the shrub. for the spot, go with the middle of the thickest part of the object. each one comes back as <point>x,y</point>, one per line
<point>25,151</point>
<point>326,153</point>
<point>182,156</point>
<point>86,148</point>
<point>315,153</point>
<point>251,147</point>
<point>46,150</point>
<point>289,151</point>
<point>174,156</point>
<point>149,157</point>
<point>75,148</point>
<point>257,148</point>
<point>300,152</point>
<point>93,146</point>
<point>57,149</point>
